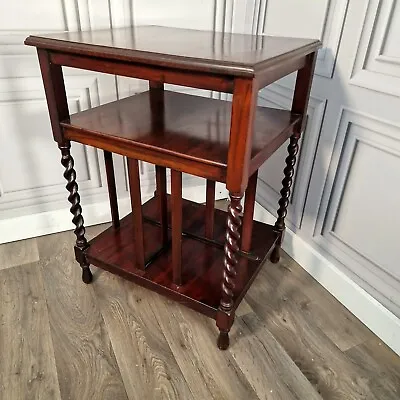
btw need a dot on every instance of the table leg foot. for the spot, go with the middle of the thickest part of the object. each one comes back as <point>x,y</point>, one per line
<point>223,340</point>
<point>87,276</point>
<point>275,255</point>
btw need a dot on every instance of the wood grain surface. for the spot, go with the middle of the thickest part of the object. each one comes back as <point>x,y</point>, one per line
<point>179,48</point>
<point>18,253</point>
<point>147,365</point>
<point>330,370</point>
<point>85,360</point>
<point>192,339</point>
<point>265,363</point>
<point>27,365</point>
<point>190,130</point>
<point>61,339</point>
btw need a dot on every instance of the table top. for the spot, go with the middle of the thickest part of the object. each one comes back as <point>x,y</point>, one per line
<point>215,52</point>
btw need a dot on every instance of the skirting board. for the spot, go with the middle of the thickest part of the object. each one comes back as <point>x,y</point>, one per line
<point>368,310</point>
<point>45,223</point>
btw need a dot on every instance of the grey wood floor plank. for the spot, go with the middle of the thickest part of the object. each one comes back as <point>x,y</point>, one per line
<point>338,323</point>
<point>18,253</point>
<point>92,340</point>
<point>211,373</point>
<point>380,368</point>
<point>266,365</point>
<point>147,365</point>
<point>330,371</point>
<point>27,364</point>
<point>86,365</point>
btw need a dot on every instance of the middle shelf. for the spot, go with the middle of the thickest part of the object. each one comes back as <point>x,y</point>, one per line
<point>180,131</point>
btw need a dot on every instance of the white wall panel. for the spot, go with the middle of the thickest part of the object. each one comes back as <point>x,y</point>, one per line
<point>22,15</point>
<point>375,237</point>
<point>322,19</point>
<point>376,62</point>
<point>357,221</point>
<point>196,15</point>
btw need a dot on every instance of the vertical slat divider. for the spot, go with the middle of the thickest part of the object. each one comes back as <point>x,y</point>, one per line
<point>176,210</point>
<point>134,186</point>
<point>157,121</point>
<point>209,217</point>
<point>249,202</point>
<point>161,193</point>
<point>112,190</point>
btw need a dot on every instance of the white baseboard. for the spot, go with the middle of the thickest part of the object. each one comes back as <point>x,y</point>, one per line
<point>45,223</point>
<point>368,310</point>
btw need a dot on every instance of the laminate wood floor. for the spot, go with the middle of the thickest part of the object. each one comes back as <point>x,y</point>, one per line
<point>61,339</point>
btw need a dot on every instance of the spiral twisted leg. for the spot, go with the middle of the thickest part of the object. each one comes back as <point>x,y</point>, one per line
<point>231,248</point>
<point>76,210</point>
<point>287,181</point>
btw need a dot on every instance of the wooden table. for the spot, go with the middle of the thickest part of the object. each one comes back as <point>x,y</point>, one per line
<point>204,258</point>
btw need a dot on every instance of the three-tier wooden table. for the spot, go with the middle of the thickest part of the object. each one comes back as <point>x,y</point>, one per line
<point>204,258</point>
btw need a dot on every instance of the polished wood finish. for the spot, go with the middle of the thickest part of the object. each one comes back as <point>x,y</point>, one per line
<point>136,202</point>
<point>126,127</point>
<point>275,72</point>
<point>225,315</point>
<point>76,210</point>
<point>161,193</point>
<point>157,106</point>
<point>176,222</point>
<point>249,202</point>
<point>220,52</point>
<point>112,189</point>
<point>191,253</point>
<point>287,181</point>
<point>299,105</point>
<point>244,104</point>
<point>158,124</point>
<point>202,262</point>
<point>173,76</point>
<point>54,88</point>
<point>302,91</point>
<point>209,218</point>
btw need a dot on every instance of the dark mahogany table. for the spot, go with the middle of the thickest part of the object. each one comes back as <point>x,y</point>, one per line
<point>204,258</point>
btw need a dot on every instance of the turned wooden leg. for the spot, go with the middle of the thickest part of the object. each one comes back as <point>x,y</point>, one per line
<point>225,315</point>
<point>248,213</point>
<point>81,243</point>
<point>287,181</point>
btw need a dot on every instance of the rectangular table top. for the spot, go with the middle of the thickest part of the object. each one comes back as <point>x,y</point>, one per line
<point>208,51</point>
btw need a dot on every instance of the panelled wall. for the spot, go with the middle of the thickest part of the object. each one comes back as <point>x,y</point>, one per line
<point>346,196</point>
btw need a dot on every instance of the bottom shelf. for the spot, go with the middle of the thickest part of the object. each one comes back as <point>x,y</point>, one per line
<point>202,263</point>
